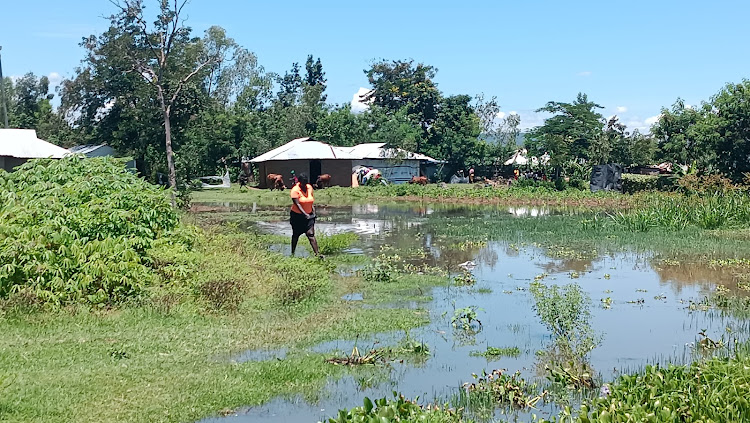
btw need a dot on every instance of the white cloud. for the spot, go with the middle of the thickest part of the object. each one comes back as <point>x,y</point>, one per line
<point>513,112</point>
<point>622,109</point>
<point>54,79</point>
<point>531,119</point>
<point>357,105</point>
<point>500,115</point>
<point>652,120</point>
<point>584,73</point>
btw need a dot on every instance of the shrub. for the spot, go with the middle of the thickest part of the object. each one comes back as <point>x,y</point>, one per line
<point>564,310</point>
<point>632,183</point>
<point>79,230</point>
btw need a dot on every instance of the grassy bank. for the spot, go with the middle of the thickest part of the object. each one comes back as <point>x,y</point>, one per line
<point>170,354</point>
<point>459,194</point>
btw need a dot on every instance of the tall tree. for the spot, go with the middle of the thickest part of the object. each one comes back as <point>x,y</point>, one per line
<point>679,132</point>
<point>455,133</point>
<point>568,134</point>
<point>726,128</point>
<point>402,84</point>
<point>166,57</point>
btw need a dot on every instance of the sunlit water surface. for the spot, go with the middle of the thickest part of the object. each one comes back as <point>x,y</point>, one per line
<point>640,309</point>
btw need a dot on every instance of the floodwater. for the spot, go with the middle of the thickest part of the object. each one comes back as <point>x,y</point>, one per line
<point>639,308</point>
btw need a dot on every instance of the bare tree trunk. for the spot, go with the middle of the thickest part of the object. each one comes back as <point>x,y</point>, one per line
<point>168,143</point>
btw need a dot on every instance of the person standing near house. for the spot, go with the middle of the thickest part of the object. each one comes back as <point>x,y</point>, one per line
<point>471,175</point>
<point>302,215</point>
<point>294,179</point>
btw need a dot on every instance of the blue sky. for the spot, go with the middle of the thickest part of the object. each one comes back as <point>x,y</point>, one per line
<point>631,57</point>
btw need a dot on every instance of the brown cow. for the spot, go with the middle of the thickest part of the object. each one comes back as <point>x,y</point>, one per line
<point>323,181</point>
<point>275,181</point>
<point>421,180</point>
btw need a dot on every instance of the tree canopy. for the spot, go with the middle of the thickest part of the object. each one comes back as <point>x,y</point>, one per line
<point>183,105</point>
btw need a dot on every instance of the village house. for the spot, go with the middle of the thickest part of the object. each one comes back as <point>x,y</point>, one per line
<point>17,146</point>
<point>305,155</point>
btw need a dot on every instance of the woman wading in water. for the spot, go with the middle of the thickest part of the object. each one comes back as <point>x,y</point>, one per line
<point>302,215</point>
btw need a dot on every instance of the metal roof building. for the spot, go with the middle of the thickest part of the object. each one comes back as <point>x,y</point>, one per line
<point>305,155</point>
<point>19,145</point>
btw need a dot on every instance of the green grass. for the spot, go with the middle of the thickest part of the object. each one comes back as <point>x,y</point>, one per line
<point>167,357</point>
<point>463,194</point>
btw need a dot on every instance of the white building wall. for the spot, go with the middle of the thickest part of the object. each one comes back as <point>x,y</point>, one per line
<point>395,172</point>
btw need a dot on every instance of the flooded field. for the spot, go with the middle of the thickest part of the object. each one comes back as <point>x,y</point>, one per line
<point>643,307</point>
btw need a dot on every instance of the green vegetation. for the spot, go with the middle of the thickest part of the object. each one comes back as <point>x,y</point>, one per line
<point>711,211</point>
<point>714,390</point>
<point>398,409</point>
<point>565,312</point>
<point>494,352</point>
<point>335,244</point>
<point>497,388</point>
<point>75,230</point>
<point>467,318</point>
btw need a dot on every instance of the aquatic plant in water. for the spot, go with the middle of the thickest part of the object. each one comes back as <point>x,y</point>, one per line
<point>467,319</point>
<point>398,409</point>
<point>494,352</point>
<point>499,388</point>
<point>565,312</point>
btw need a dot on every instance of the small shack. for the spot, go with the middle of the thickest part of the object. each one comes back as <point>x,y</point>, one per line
<point>305,155</point>
<point>99,150</point>
<point>17,146</point>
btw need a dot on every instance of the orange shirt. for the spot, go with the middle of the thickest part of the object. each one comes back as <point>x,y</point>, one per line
<point>306,201</point>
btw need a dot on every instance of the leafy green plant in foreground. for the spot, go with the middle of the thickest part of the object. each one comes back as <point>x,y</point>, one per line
<point>716,390</point>
<point>81,230</point>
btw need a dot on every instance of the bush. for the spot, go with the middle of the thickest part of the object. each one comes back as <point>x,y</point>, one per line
<point>79,230</point>
<point>632,183</point>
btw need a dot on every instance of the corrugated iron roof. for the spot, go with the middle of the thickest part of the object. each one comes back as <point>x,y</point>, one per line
<point>305,148</point>
<point>23,144</point>
<point>85,149</point>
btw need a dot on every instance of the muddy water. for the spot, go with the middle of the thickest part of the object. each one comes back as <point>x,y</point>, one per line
<point>640,310</point>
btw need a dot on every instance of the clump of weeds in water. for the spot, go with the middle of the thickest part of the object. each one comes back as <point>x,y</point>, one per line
<point>379,271</point>
<point>495,352</point>
<point>334,244</point>
<point>467,319</point>
<point>565,311</point>
<point>498,388</point>
<point>398,409</point>
<point>715,390</point>
<point>466,278</point>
